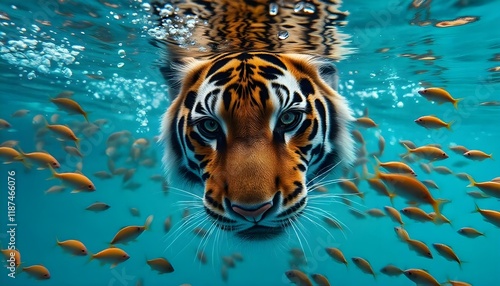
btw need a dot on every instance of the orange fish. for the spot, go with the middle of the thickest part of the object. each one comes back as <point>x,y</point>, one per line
<point>9,155</point>
<point>410,188</point>
<point>391,270</point>
<point>364,265</point>
<point>70,106</point>
<point>490,188</point>
<point>161,265</point>
<point>8,253</point>
<point>447,252</point>
<point>419,247</point>
<point>470,232</point>
<point>112,255</point>
<point>41,159</point>
<point>432,122</point>
<point>421,277</point>
<point>298,277</point>
<point>394,214</point>
<point>477,155</point>
<point>336,254</point>
<point>402,233</point>
<point>395,167</point>
<point>439,96</point>
<point>38,272</point>
<point>77,181</point>
<point>490,216</point>
<point>416,214</point>
<point>129,233</point>
<point>427,152</point>
<point>320,279</point>
<point>72,246</point>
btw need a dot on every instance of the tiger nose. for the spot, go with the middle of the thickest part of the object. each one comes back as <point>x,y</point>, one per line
<point>252,212</point>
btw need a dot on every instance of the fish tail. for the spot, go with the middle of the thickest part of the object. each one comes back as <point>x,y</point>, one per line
<point>377,160</point>
<point>391,198</point>
<point>365,175</point>
<point>448,125</point>
<point>77,143</point>
<point>86,114</point>
<point>54,173</point>
<point>408,151</point>
<point>491,156</point>
<point>438,205</point>
<point>477,209</point>
<point>456,101</point>
<point>471,180</point>
<point>147,224</point>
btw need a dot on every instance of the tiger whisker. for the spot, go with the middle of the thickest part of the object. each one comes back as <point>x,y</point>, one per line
<point>324,173</point>
<point>184,192</point>
<point>321,212</point>
<point>310,217</point>
<point>297,235</point>
<point>184,226</point>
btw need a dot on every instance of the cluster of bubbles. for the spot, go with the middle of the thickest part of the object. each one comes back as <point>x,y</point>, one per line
<point>174,26</point>
<point>33,55</point>
<point>142,94</point>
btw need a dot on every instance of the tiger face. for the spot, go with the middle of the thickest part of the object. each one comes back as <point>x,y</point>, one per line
<point>254,129</point>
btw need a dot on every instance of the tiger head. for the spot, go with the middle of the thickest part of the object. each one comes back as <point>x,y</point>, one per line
<point>254,128</point>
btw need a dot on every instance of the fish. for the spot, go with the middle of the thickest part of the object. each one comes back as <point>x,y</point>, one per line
<point>73,151</point>
<point>161,265</point>
<point>75,247</point>
<point>402,234</point>
<point>112,255</point>
<point>419,247</point>
<point>458,149</point>
<point>20,113</point>
<point>432,122</point>
<point>490,216</point>
<point>41,159</point>
<point>9,155</point>
<point>129,233</point>
<point>427,152</point>
<point>430,184</point>
<point>425,167</point>
<point>224,273</point>
<point>357,213</point>
<point>10,143</point>
<point>457,283</point>
<point>333,223</point>
<point>98,207</point>
<point>391,270</point>
<point>336,254</point>
<point>478,195</point>
<point>167,224</point>
<point>365,122</point>
<point>439,96</point>
<point>416,214</point>
<point>375,212</point>
<point>103,175</point>
<point>477,155</point>
<point>320,280</point>
<point>443,170</point>
<point>364,265</point>
<point>447,252</point>
<point>70,106</point>
<point>395,167</point>
<point>237,256</point>
<point>470,232</point>
<point>350,188</point>
<point>408,144</point>
<point>410,188</point>
<point>228,261</point>
<point>439,219</point>
<point>462,176</point>
<point>38,272</point>
<point>393,214</point>
<point>55,189</point>
<point>298,277</point>
<point>4,124</point>
<point>134,211</point>
<point>381,145</point>
<point>380,188</point>
<point>77,181</point>
<point>201,257</point>
<point>358,137</point>
<point>490,188</point>
<point>421,277</point>
<point>8,253</point>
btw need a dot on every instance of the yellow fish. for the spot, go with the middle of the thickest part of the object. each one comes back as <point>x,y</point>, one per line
<point>161,265</point>
<point>427,152</point>
<point>490,216</point>
<point>112,255</point>
<point>394,214</point>
<point>470,232</point>
<point>402,233</point>
<point>8,253</point>
<point>395,167</point>
<point>129,233</point>
<point>439,96</point>
<point>9,155</point>
<point>41,159</point>
<point>70,106</point>
<point>490,188</point>
<point>419,247</point>
<point>447,252</point>
<point>77,181</point>
<point>416,214</point>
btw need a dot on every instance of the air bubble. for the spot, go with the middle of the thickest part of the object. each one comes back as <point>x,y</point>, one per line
<point>309,8</point>
<point>282,35</point>
<point>122,53</point>
<point>273,9</point>
<point>119,65</point>
<point>298,7</point>
<point>31,75</point>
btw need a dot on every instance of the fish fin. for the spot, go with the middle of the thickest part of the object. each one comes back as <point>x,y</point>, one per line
<point>113,265</point>
<point>408,151</point>
<point>491,156</point>
<point>86,114</point>
<point>365,112</point>
<point>471,180</point>
<point>455,103</point>
<point>91,257</point>
<point>77,144</point>
<point>75,191</point>
<point>40,168</point>
<point>391,198</point>
<point>438,205</point>
<point>377,160</point>
<point>8,162</point>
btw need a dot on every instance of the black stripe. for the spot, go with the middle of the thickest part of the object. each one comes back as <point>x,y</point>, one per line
<point>332,116</point>
<point>227,97</point>
<point>272,59</point>
<point>293,209</point>
<point>303,127</point>
<point>196,137</point>
<point>295,193</point>
<point>270,72</point>
<point>190,99</point>
<point>306,87</point>
<point>221,78</point>
<point>189,175</point>
<point>218,65</point>
<point>314,130</point>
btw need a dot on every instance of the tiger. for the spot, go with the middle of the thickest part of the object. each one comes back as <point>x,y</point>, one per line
<point>255,117</point>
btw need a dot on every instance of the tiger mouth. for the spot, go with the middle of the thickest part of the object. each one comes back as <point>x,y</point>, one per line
<point>259,230</point>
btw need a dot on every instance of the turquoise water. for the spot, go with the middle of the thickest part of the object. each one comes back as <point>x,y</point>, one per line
<point>393,56</point>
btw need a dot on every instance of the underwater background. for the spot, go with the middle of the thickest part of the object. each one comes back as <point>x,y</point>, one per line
<point>100,53</point>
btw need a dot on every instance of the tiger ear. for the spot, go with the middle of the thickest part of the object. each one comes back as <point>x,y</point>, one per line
<point>328,72</point>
